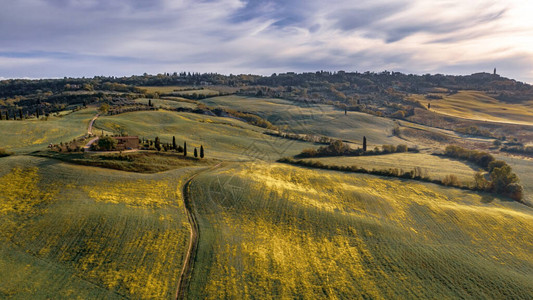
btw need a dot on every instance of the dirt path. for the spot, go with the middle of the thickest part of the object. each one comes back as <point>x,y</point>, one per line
<point>87,148</point>
<point>188,263</point>
<point>90,128</point>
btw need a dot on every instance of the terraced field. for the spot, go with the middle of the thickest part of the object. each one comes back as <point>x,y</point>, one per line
<point>80,232</point>
<point>477,105</point>
<point>222,138</point>
<point>270,230</point>
<point>30,135</point>
<point>435,167</point>
<point>314,119</point>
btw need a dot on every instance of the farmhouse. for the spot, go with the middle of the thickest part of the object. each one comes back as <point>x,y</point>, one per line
<point>127,142</point>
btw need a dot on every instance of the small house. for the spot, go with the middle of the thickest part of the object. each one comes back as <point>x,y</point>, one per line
<point>127,142</point>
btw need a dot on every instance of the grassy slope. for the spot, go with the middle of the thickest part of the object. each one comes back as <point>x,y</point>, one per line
<point>286,232</point>
<point>73,231</point>
<point>30,135</point>
<point>222,138</point>
<point>179,90</point>
<point>435,166</point>
<point>165,103</point>
<point>317,119</point>
<point>477,105</point>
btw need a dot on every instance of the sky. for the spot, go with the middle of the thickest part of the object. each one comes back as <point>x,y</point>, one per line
<point>75,38</point>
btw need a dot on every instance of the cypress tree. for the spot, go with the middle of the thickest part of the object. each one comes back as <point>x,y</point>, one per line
<point>157,144</point>
<point>184,148</point>
<point>174,146</point>
<point>195,152</point>
<point>364,143</point>
<point>201,151</point>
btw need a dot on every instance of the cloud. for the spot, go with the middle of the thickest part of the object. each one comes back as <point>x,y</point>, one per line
<point>56,38</point>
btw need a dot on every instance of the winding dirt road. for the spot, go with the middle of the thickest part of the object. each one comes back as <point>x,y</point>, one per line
<point>188,263</point>
<point>90,128</point>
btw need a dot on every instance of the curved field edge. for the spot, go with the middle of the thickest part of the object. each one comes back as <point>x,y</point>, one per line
<point>287,232</point>
<point>69,231</point>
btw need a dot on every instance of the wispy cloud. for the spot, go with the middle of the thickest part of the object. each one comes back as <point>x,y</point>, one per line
<point>55,38</point>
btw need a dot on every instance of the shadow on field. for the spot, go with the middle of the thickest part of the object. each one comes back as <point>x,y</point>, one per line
<point>487,199</point>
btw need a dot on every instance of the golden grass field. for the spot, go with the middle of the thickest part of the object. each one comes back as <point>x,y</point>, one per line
<point>277,231</point>
<point>477,105</point>
<point>434,166</point>
<point>267,230</point>
<point>70,231</point>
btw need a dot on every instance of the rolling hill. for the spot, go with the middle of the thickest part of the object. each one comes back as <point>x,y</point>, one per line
<point>73,231</point>
<point>277,231</point>
<point>30,135</point>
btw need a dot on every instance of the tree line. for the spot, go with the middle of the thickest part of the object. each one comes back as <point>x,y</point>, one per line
<point>339,148</point>
<point>500,178</point>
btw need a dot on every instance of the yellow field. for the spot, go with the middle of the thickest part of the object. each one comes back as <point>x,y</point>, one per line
<point>477,105</point>
<point>434,166</point>
<point>276,231</point>
<point>72,231</point>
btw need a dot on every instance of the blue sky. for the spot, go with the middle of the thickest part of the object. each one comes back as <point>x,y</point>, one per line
<point>56,38</point>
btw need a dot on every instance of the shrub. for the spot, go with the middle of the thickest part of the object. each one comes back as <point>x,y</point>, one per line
<point>496,164</point>
<point>401,148</point>
<point>501,178</point>
<point>515,191</point>
<point>480,183</point>
<point>106,144</point>
<point>3,152</point>
<point>400,114</point>
<point>310,152</point>
<point>388,148</point>
<point>450,180</point>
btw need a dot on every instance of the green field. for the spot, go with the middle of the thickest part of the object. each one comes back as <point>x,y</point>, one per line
<point>477,105</point>
<point>314,119</point>
<point>166,103</point>
<point>31,135</point>
<point>179,90</point>
<point>434,166</point>
<point>80,232</point>
<point>276,231</point>
<point>222,138</point>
